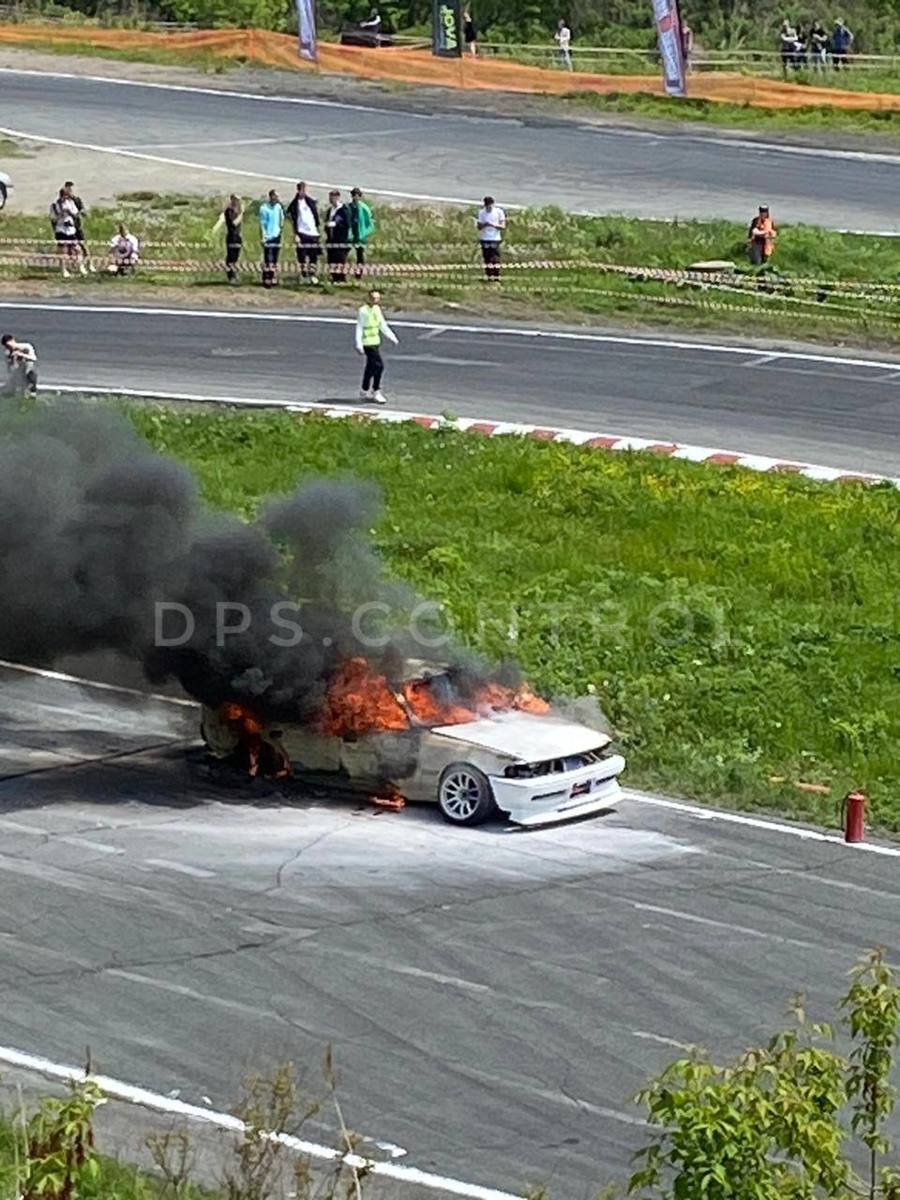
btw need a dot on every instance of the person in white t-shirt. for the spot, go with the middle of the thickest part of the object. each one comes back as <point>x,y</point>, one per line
<point>123,252</point>
<point>563,39</point>
<point>21,358</point>
<point>491,222</point>
<point>64,219</point>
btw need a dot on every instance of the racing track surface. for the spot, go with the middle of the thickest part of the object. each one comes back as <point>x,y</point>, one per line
<point>493,997</point>
<point>840,415</point>
<point>408,146</point>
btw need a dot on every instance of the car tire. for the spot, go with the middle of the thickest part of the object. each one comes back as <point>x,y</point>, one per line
<point>2,195</point>
<point>465,796</point>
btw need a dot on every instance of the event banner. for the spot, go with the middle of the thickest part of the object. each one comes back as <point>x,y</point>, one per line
<point>306,28</point>
<point>446,28</point>
<point>668,32</point>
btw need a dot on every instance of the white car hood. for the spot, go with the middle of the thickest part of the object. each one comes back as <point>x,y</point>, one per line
<point>526,737</point>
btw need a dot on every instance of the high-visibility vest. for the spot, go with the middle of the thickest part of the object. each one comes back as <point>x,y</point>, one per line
<point>371,325</point>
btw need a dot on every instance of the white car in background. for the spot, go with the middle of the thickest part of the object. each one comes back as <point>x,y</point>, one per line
<point>5,187</point>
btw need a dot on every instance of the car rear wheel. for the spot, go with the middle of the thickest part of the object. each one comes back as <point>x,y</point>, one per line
<point>2,195</point>
<point>465,796</point>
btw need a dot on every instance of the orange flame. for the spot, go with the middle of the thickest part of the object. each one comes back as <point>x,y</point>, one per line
<point>494,697</point>
<point>425,706</point>
<point>358,701</point>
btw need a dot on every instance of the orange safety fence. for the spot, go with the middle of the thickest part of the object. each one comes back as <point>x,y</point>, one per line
<point>420,66</point>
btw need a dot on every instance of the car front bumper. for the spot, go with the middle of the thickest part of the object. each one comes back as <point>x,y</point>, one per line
<point>562,797</point>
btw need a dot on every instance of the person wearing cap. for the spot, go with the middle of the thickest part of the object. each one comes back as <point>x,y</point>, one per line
<point>761,237</point>
<point>362,226</point>
<point>491,222</point>
<point>841,44</point>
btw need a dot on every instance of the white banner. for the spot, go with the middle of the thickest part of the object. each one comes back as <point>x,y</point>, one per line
<point>668,33</point>
<point>306,28</point>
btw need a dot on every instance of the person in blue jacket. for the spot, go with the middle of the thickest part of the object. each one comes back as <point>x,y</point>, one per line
<point>271,223</point>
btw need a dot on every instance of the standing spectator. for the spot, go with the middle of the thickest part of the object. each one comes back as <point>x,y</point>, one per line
<point>800,57</point>
<point>370,328</point>
<point>563,39</point>
<point>303,211</point>
<point>362,226</point>
<point>491,222</point>
<point>761,237</point>
<point>841,45</point>
<point>123,252</point>
<point>818,46</point>
<point>271,223</point>
<point>79,224</point>
<point>63,214</point>
<point>787,39</point>
<point>687,45</point>
<point>337,237</point>
<point>470,33</point>
<point>372,26</point>
<point>20,356</point>
<point>232,217</point>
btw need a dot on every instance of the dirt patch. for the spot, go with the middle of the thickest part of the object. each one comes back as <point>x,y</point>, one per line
<point>39,170</point>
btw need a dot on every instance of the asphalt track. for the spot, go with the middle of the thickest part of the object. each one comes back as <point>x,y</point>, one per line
<point>493,997</point>
<point>828,413</point>
<point>408,146</point>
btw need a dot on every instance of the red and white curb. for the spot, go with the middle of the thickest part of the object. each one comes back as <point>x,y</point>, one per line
<point>684,451</point>
<point>604,441</point>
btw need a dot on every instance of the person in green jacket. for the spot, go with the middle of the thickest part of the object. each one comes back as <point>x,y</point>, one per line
<point>362,225</point>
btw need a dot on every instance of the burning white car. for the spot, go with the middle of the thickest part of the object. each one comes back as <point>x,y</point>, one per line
<point>506,753</point>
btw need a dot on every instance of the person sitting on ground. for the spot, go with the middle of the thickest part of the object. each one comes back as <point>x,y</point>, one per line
<point>761,237</point>
<point>123,252</point>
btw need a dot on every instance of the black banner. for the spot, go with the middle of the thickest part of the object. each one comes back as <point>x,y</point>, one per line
<point>446,28</point>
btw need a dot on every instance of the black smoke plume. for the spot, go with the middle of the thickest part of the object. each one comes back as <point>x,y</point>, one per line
<point>97,530</point>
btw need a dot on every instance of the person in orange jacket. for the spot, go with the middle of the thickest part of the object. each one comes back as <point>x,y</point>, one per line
<point>761,236</point>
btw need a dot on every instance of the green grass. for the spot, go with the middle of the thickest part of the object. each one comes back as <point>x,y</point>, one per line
<point>11,149</point>
<point>736,627</point>
<point>747,117</point>
<point>199,59</point>
<point>117,1180</point>
<point>578,290</point>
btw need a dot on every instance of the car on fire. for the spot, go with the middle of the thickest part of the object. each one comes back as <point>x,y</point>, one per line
<point>507,754</point>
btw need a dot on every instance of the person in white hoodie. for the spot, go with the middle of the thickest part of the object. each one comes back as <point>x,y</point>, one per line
<point>370,328</point>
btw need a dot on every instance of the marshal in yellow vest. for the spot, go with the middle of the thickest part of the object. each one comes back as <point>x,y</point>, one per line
<point>372,319</point>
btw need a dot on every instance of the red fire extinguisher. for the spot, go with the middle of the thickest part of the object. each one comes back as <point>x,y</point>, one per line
<point>853,816</point>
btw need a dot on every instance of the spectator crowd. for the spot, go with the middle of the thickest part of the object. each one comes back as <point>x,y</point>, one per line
<point>815,47</point>
<point>342,228</point>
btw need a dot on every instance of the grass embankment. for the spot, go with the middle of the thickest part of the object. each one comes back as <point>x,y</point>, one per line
<point>740,630</point>
<point>748,117</point>
<point>806,294</point>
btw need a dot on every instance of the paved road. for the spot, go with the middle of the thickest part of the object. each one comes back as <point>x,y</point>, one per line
<point>820,412</point>
<point>493,997</point>
<point>409,147</point>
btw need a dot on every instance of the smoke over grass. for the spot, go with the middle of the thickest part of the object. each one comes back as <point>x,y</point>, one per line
<point>106,545</point>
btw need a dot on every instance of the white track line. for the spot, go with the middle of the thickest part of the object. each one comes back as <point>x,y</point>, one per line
<point>611,441</point>
<point>552,335</point>
<point>618,131</point>
<point>689,810</point>
<point>115,1089</point>
<point>62,677</point>
<point>23,135</point>
<point>733,818</point>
